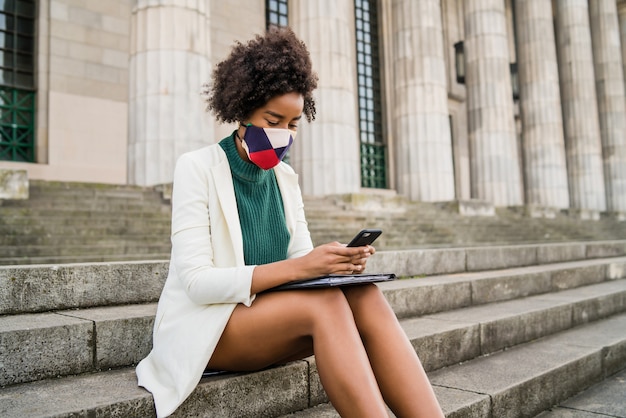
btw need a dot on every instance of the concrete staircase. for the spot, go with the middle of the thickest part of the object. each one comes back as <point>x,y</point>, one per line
<point>76,222</point>
<point>503,331</point>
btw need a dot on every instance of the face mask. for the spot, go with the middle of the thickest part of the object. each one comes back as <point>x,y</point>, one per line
<point>266,147</point>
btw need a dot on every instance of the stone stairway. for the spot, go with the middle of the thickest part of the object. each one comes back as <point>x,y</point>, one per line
<point>76,222</point>
<point>503,331</point>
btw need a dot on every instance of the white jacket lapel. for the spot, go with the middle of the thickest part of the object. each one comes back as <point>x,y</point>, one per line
<point>225,191</point>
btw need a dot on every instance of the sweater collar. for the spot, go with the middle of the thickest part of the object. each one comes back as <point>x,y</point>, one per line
<point>242,170</point>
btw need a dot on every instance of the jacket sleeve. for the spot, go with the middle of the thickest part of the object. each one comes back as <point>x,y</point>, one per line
<point>192,248</point>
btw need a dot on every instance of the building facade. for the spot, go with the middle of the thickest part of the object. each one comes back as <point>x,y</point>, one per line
<point>512,102</point>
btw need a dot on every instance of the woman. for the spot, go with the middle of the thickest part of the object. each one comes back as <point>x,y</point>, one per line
<point>238,228</point>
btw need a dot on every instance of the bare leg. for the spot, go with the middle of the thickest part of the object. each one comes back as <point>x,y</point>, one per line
<point>399,372</point>
<point>281,325</point>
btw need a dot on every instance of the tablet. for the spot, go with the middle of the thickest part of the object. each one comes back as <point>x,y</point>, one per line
<point>332,280</point>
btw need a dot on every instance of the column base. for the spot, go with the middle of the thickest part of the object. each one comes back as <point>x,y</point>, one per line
<point>617,216</point>
<point>583,214</point>
<point>546,212</point>
<point>165,190</point>
<point>471,207</point>
<point>373,200</point>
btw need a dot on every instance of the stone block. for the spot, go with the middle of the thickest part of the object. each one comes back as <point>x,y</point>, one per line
<point>490,258</point>
<point>418,262</point>
<point>385,201</point>
<point>546,212</point>
<point>584,214</point>
<point>618,216</point>
<point>116,25</point>
<point>425,296</point>
<point>578,276</point>
<point>602,400</point>
<point>607,335</point>
<point>505,287</point>
<point>516,329</point>
<point>317,394</point>
<point>59,11</point>
<point>591,303</point>
<point>165,190</point>
<point>602,306</point>
<point>123,333</point>
<point>527,380</point>
<point>605,249</point>
<point>111,394</point>
<point>39,346</point>
<point>616,270</point>
<point>558,253</point>
<point>441,343</point>
<point>272,392</point>
<point>471,207</point>
<point>462,404</point>
<point>13,184</point>
<point>41,288</point>
<point>542,391</point>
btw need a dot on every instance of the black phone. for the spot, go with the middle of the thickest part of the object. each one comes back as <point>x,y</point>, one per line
<point>365,237</point>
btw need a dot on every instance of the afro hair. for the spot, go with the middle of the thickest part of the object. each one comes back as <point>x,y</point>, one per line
<point>267,66</point>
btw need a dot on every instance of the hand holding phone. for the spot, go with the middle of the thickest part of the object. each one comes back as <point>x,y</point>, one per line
<point>365,237</point>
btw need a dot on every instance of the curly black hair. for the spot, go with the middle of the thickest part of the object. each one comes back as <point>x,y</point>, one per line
<point>267,66</point>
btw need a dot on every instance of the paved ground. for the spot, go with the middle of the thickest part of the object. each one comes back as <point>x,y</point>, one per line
<point>606,399</point>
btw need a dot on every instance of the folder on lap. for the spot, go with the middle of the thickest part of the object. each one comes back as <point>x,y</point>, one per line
<point>332,280</point>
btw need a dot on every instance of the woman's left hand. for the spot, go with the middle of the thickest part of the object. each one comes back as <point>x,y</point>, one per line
<point>362,261</point>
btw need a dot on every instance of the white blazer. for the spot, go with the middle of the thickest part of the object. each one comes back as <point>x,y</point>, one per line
<point>207,276</point>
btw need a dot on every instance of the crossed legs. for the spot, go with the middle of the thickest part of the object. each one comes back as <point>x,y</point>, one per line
<point>362,353</point>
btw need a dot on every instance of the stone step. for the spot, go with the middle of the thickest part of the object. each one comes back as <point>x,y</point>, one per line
<point>98,248</point>
<point>518,382</point>
<point>604,399</point>
<point>457,308</point>
<point>89,258</point>
<point>532,377</point>
<point>42,288</point>
<point>59,216</point>
<point>66,286</point>
<point>77,236</point>
<point>39,188</point>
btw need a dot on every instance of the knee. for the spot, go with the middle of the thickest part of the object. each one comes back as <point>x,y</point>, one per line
<point>328,304</point>
<point>368,304</point>
<point>367,295</point>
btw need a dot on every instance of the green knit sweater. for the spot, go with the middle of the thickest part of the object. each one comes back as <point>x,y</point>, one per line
<point>260,207</point>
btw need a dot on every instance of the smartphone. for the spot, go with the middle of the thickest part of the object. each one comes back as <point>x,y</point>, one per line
<point>365,237</point>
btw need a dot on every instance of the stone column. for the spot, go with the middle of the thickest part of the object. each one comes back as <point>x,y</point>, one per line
<point>326,152</point>
<point>495,170</point>
<point>580,110</point>
<point>170,59</point>
<point>424,163</point>
<point>621,10</point>
<point>540,106</point>
<point>607,56</point>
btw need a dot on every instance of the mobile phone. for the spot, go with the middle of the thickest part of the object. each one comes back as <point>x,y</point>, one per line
<point>365,237</point>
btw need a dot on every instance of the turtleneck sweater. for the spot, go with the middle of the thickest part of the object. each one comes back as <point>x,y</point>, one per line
<point>260,206</point>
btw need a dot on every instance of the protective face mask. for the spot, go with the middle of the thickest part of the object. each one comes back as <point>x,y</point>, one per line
<point>266,147</point>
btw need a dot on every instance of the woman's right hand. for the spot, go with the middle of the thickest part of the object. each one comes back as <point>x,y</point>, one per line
<point>331,258</point>
<point>335,258</point>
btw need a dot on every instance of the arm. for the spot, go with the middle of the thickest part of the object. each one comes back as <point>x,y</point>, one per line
<point>205,279</point>
<point>332,258</point>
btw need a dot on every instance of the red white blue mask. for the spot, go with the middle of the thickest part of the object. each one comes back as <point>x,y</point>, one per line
<point>266,147</point>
